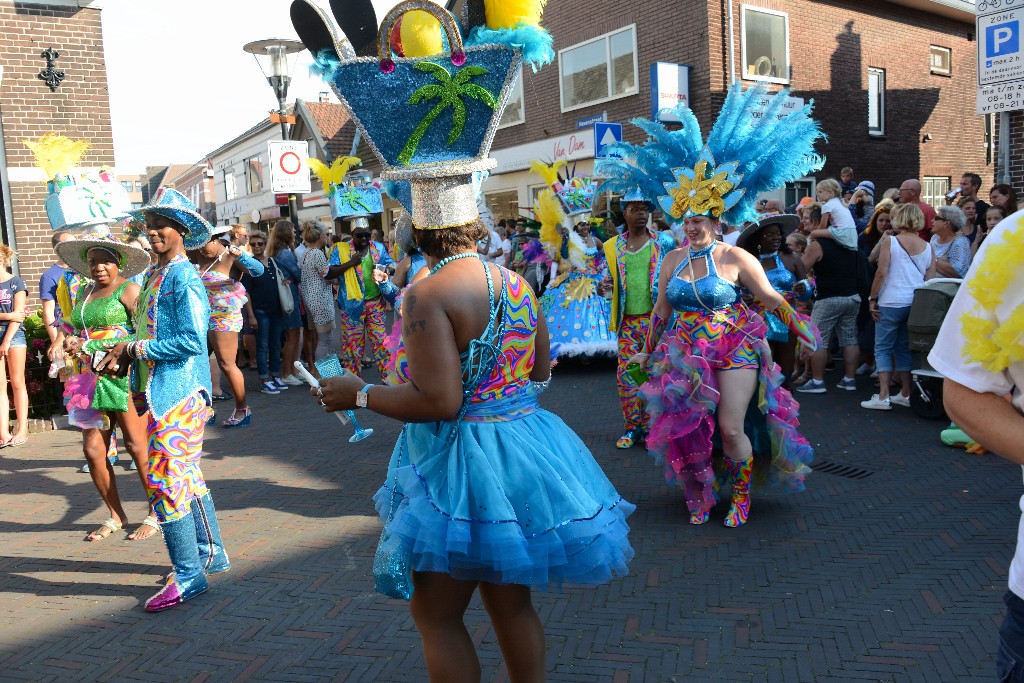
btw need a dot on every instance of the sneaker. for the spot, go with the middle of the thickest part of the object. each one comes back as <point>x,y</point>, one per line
<point>900,400</point>
<point>848,383</point>
<point>813,386</point>
<point>865,368</point>
<point>292,380</point>
<point>874,374</point>
<point>279,383</point>
<point>269,388</point>
<point>875,403</point>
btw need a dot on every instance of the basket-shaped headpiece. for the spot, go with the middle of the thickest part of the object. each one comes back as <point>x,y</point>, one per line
<point>356,197</point>
<point>77,203</point>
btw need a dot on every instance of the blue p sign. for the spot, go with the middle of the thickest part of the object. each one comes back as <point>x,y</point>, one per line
<point>1002,39</point>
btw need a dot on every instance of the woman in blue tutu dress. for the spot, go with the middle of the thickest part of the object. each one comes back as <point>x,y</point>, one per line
<point>484,488</point>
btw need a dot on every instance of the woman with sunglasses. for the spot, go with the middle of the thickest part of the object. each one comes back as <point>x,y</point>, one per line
<point>220,263</point>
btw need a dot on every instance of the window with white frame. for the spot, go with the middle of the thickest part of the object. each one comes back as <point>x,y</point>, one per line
<point>941,60</point>
<point>934,189</point>
<point>764,44</point>
<point>254,175</point>
<point>876,101</point>
<point>515,110</point>
<point>230,192</point>
<point>797,190</point>
<point>599,70</point>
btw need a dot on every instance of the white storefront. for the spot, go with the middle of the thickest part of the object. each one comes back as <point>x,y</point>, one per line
<point>511,187</point>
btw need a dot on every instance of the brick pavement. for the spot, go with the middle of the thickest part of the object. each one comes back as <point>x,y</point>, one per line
<point>896,576</point>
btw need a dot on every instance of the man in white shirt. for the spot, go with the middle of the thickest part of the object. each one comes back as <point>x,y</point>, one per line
<point>978,352</point>
<point>490,248</point>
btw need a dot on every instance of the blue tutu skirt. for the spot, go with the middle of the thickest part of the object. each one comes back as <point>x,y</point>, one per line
<point>516,498</point>
<point>578,318</point>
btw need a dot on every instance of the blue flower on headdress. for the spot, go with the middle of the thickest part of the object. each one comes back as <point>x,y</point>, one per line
<point>698,192</point>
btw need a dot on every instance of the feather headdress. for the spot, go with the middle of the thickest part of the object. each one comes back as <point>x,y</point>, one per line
<point>752,148</point>
<point>56,155</point>
<point>331,177</point>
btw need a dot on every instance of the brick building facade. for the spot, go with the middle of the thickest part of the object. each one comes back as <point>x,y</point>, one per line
<point>79,108</point>
<point>915,58</point>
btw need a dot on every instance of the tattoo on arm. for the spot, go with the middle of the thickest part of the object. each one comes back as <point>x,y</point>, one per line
<point>409,323</point>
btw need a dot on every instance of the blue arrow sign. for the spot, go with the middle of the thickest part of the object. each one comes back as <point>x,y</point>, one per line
<point>606,134</point>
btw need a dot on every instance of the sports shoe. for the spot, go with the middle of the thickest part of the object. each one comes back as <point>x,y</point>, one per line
<point>279,383</point>
<point>865,369</point>
<point>900,400</point>
<point>269,388</point>
<point>874,374</point>
<point>847,383</point>
<point>875,403</point>
<point>292,380</point>
<point>813,386</point>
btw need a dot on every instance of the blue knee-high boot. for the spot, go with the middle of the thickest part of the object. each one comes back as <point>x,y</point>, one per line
<point>212,555</point>
<point>187,579</point>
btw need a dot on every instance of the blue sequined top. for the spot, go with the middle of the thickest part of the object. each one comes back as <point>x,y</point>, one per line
<point>780,277</point>
<point>715,293</point>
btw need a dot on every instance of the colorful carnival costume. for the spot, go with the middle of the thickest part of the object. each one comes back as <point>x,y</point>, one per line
<point>711,331</point>
<point>578,317</point>
<point>171,378</point>
<point>363,308</point>
<point>507,493</point>
<point>634,292</point>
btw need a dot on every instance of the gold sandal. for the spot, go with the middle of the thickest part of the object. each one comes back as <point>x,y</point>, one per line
<point>151,522</point>
<point>108,527</point>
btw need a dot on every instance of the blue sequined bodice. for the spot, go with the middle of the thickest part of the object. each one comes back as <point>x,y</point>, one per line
<point>780,277</point>
<point>715,293</point>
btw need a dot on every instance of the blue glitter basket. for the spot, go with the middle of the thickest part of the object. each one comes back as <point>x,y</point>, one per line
<point>428,114</point>
<point>356,197</point>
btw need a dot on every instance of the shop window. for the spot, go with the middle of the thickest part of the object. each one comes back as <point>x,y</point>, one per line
<point>598,70</point>
<point>934,189</point>
<point>515,110</point>
<point>876,101</point>
<point>764,38</point>
<point>941,60</point>
<point>503,204</point>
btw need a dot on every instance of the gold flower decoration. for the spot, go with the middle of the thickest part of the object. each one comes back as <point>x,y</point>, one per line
<point>700,195</point>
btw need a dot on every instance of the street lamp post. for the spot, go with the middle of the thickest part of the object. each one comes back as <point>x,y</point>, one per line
<point>274,53</point>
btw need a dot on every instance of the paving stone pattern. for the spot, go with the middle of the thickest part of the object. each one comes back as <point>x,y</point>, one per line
<point>896,576</point>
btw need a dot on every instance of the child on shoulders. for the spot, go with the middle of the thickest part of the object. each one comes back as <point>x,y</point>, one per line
<point>836,220</point>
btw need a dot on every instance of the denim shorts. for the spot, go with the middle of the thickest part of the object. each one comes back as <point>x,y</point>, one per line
<point>1010,656</point>
<point>18,340</point>
<point>892,339</point>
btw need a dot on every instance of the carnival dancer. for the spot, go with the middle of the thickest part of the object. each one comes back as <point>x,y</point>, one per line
<point>96,403</point>
<point>363,309</point>
<point>766,240</point>
<point>219,263</point>
<point>170,376</point>
<point>634,262</point>
<point>577,315</point>
<point>707,367</point>
<point>485,490</point>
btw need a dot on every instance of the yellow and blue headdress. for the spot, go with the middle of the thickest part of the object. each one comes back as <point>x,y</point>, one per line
<point>752,148</point>
<point>77,201</point>
<point>428,109</point>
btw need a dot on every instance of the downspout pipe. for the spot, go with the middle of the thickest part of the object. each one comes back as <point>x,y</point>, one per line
<point>7,228</point>
<point>732,45</point>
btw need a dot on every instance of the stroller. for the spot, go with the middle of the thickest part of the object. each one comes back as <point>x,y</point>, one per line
<point>931,303</point>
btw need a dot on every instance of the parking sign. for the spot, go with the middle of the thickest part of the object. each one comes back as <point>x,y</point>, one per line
<point>999,47</point>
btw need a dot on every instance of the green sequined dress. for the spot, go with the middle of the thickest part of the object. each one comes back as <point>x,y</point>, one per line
<point>104,322</point>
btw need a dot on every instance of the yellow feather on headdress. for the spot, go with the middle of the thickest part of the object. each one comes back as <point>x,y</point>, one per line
<point>333,175</point>
<point>509,13</point>
<point>548,212</point>
<point>56,155</point>
<point>548,173</point>
<point>420,34</point>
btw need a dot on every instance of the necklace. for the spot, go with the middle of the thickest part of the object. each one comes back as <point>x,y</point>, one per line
<point>703,251</point>
<point>445,261</point>
<point>769,255</point>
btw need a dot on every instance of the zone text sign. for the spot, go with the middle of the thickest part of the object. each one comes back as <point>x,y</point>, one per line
<point>999,47</point>
<point>1002,97</point>
<point>289,166</point>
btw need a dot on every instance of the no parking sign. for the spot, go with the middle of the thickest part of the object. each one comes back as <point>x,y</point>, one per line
<point>289,168</point>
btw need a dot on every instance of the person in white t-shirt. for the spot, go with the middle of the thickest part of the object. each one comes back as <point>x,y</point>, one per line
<point>489,248</point>
<point>505,232</point>
<point>978,350</point>
<point>836,220</point>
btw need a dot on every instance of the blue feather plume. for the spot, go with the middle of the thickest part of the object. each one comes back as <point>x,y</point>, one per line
<point>770,149</point>
<point>534,41</point>
<point>400,191</point>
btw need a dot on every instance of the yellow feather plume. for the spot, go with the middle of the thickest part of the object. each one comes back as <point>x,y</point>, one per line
<point>548,212</point>
<point>57,155</point>
<point>509,13</point>
<point>421,34</point>
<point>548,173</point>
<point>333,174</point>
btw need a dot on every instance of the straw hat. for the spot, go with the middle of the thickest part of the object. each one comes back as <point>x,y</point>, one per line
<point>132,260</point>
